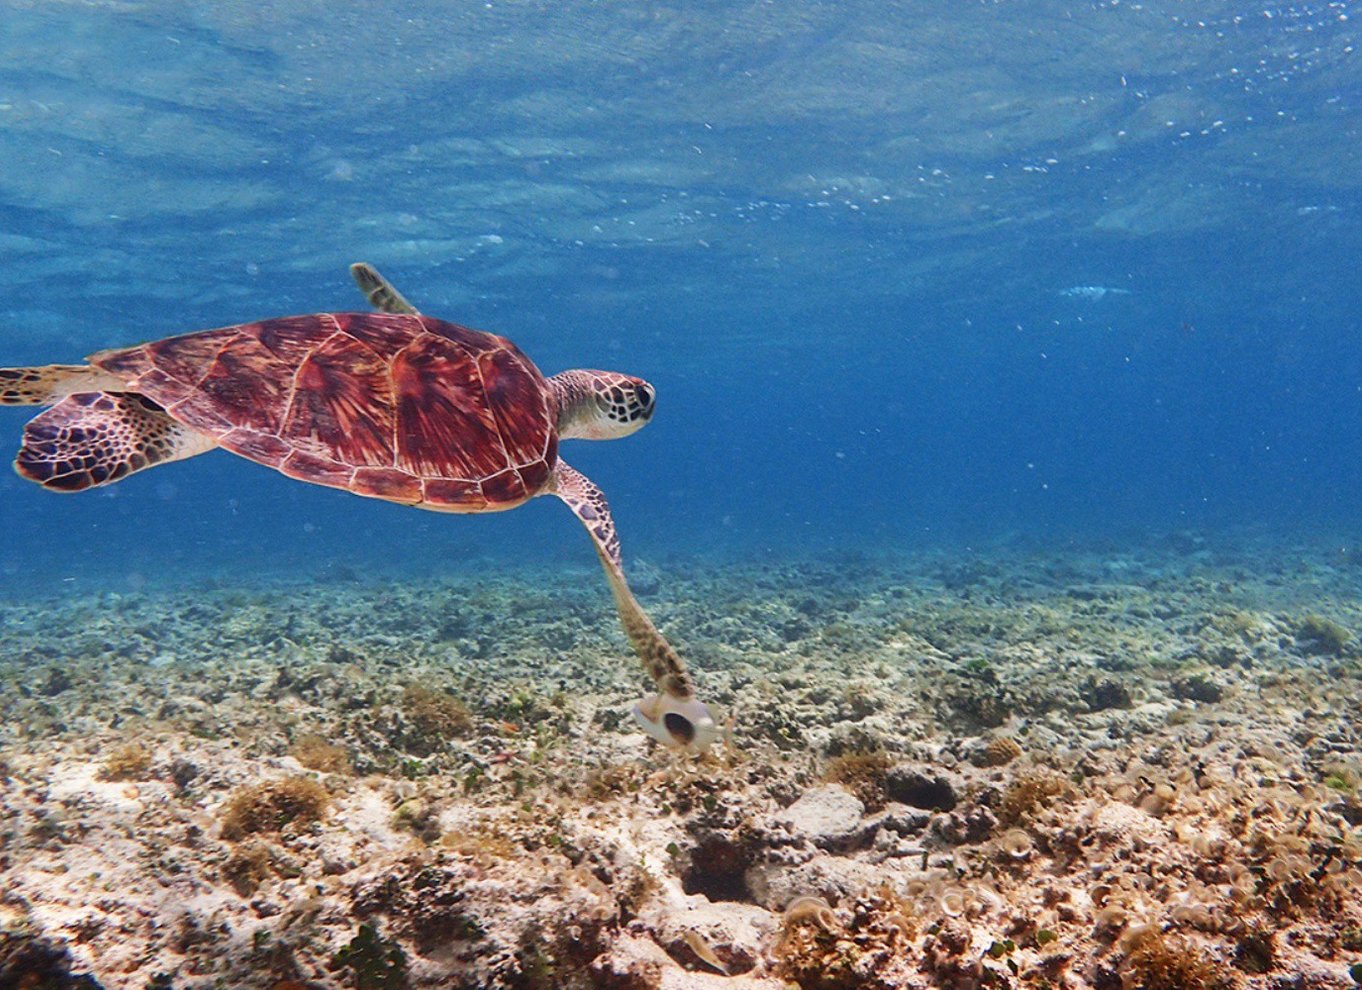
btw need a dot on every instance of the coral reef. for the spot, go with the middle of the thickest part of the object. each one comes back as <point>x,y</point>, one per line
<point>1081,770</point>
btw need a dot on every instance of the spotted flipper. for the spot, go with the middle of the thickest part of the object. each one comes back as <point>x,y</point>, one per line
<point>378,290</point>
<point>674,716</point>
<point>96,438</point>
<point>50,383</point>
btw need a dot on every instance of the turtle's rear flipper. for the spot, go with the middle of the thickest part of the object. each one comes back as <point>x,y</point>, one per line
<point>50,383</point>
<point>378,290</point>
<point>96,438</point>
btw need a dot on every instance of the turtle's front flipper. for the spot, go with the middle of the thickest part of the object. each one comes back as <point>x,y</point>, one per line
<point>96,438</point>
<point>673,716</point>
<point>378,290</point>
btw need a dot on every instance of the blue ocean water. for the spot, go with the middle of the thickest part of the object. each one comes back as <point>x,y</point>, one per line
<point>858,247</point>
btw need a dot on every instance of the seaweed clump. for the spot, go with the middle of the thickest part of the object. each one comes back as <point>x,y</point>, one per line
<point>813,958</point>
<point>1029,794</point>
<point>864,774</point>
<point>128,762</point>
<point>249,865</point>
<point>274,805</point>
<point>435,716</point>
<point>483,845</point>
<point>816,952</point>
<point>1157,962</point>
<point>1256,952</point>
<point>315,753</point>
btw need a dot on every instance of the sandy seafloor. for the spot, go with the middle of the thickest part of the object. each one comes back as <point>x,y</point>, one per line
<point>1111,766</point>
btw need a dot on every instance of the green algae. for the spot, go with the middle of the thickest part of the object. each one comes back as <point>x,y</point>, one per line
<point>374,962</point>
<point>1322,636</point>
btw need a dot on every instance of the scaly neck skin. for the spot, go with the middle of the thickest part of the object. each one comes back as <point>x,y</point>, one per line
<point>577,411</point>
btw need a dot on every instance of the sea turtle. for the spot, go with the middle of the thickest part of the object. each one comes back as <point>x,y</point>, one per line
<point>392,405</point>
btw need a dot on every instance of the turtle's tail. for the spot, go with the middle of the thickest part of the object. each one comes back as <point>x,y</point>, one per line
<point>49,384</point>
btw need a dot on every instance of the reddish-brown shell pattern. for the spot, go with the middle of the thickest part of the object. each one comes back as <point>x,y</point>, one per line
<point>402,407</point>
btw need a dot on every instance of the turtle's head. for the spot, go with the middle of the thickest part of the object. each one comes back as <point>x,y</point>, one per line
<point>601,405</point>
<point>685,724</point>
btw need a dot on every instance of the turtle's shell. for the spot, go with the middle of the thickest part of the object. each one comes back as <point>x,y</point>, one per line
<point>394,406</point>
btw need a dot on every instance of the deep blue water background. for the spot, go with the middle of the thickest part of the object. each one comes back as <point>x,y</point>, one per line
<point>835,236</point>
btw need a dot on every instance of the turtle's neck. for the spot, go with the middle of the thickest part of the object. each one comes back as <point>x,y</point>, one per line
<point>575,405</point>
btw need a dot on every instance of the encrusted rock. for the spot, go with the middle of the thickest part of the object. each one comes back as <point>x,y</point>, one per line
<point>734,933</point>
<point>970,824</point>
<point>903,821</point>
<point>1196,686</point>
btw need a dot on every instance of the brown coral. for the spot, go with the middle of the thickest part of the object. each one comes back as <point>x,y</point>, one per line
<point>999,751</point>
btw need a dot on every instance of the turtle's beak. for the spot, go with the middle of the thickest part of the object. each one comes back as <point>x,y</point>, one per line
<point>681,724</point>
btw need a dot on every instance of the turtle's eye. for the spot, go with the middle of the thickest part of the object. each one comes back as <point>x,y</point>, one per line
<point>645,399</point>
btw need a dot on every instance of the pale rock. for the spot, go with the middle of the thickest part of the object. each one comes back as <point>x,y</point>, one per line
<point>829,817</point>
